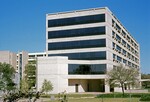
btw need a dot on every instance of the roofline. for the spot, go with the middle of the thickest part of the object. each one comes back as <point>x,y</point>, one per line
<point>72,11</point>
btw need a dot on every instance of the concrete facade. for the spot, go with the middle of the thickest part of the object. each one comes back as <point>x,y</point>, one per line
<point>61,40</point>
<point>56,70</point>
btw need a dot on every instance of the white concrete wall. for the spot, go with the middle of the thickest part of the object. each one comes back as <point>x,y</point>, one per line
<point>54,69</point>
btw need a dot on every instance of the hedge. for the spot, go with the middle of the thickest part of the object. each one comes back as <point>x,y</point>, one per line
<point>126,95</point>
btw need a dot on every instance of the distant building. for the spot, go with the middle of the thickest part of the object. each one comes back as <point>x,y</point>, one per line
<point>81,46</point>
<point>8,57</point>
<point>23,58</point>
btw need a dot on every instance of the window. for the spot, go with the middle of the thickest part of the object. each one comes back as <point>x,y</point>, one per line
<point>86,69</point>
<point>77,20</point>
<point>118,37</point>
<point>113,23</point>
<point>76,32</point>
<point>123,33</point>
<point>118,48</point>
<point>118,28</point>
<point>113,34</point>
<point>123,42</point>
<point>129,63</point>
<point>84,55</point>
<point>129,55</point>
<point>128,38</point>
<point>113,45</point>
<point>77,44</point>
<point>124,61</point>
<point>124,52</point>
<point>114,56</point>
<point>119,59</point>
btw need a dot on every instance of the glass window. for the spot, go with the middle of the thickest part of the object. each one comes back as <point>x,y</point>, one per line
<point>114,56</point>
<point>128,46</point>
<point>113,33</point>
<point>128,38</point>
<point>123,42</point>
<point>118,48</point>
<point>77,32</point>
<point>123,33</point>
<point>117,26</point>
<point>77,44</point>
<point>84,55</point>
<point>124,61</point>
<point>77,20</point>
<point>86,69</point>
<point>129,63</point>
<point>124,52</point>
<point>118,37</point>
<point>119,58</point>
<point>113,22</point>
<point>113,45</point>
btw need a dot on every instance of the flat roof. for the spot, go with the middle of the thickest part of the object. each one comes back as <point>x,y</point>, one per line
<point>90,9</point>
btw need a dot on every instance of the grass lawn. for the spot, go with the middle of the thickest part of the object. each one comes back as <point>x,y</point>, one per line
<point>100,100</point>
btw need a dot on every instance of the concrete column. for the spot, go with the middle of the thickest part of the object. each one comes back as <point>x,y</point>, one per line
<point>107,87</point>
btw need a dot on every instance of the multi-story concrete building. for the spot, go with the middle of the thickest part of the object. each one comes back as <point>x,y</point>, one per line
<point>89,43</point>
<point>8,57</point>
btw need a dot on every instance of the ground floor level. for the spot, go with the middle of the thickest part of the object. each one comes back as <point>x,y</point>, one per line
<point>86,85</point>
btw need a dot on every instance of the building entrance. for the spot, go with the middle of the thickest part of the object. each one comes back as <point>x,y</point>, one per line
<point>87,85</point>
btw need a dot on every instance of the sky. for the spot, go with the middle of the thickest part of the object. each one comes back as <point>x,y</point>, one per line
<point>23,22</point>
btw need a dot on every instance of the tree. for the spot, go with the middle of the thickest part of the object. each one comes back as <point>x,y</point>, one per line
<point>47,86</point>
<point>30,74</point>
<point>145,84</point>
<point>7,74</point>
<point>122,75</point>
<point>24,87</point>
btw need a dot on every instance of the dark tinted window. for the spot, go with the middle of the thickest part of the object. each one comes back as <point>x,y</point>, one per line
<point>119,58</point>
<point>84,55</point>
<point>118,48</point>
<point>87,69</point>
<point>77,44</point>
<point>77,20</point>
<point>76,32</point>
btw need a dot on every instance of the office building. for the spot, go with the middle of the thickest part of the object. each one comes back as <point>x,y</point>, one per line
<point>81,46</point>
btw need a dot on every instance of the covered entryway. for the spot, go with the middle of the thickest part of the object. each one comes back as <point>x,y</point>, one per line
<point>86,85</point>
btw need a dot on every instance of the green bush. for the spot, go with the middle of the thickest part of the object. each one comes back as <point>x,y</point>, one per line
<point>119,95</point>
<point>116,95</point>
<point>145,97</point>
<point>138,95</point>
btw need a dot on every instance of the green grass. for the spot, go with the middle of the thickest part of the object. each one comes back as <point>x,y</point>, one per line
<point>100,100</point>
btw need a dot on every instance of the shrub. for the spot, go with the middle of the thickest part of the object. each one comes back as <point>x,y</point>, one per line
<point>126,95</point>
<point>116,95</point>
<point>136,95</point>
<point>145,98</point>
